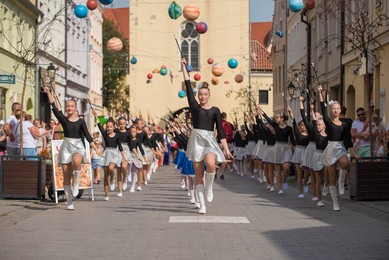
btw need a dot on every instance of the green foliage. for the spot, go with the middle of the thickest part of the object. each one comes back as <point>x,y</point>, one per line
<point>115,69</point>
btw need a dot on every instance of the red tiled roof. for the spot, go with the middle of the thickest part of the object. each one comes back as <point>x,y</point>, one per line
<point>121,18</point>
<point>260,57</point>
<point>260,31</point>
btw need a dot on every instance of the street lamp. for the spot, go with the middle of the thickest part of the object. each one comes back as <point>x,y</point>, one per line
<point>51,72</point>
<point>291,90</point>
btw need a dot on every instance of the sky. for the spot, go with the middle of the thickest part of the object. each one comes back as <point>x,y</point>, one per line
<point>261,10</point>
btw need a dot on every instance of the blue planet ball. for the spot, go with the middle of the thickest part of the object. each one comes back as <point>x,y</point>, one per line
<point>81,11</point>
<point>105,2</point>
<point>232,63</point>
<point>279,34</point>
<point>163,71</point>
<point>133,60</point>
<point>195,90</point>
<point>189,67</point>
<point>296,5</point>
<point>182,93</point>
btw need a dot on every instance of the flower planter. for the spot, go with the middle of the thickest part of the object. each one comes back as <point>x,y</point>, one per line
<point>369,179</point>
<point>22,179</point>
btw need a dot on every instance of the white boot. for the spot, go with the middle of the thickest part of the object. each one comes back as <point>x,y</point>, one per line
<point>209,178</point>
<point>200,194</point>
<point>334,196</point>
<point>342,176</point>
<point>76,182</point>
<point>69,197</point>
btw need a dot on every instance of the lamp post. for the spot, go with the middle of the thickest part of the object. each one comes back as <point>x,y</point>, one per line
<point>291,90</point>
<point>51,70</point>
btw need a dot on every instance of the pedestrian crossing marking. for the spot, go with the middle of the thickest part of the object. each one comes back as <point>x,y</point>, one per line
<point>208,219</point>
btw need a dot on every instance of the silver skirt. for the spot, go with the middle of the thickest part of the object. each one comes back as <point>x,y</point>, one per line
<point>268,153</point>
<point>202,142</point>
<point>308,155</point>
<point>70,147</point>
<point>111,155</point>
<point>240,153</point>
<point>333,152</point>
<point>250,147</point>
<point>126,151</point>
<point>262,152</point>
<point>148,152</point>
<point>257,149</point>
<point>282,153</point>
<point>138,163</point>
<point>316,158</point>
<point>298,154</point>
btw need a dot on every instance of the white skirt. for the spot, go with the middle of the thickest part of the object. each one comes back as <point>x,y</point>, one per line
<point>333,152</point>
<point>316,160</point>
<point>148,152</point>
<point>111,155</point>
<point>282,153</point>
<point>250,147</point>
<point>240,153</point>
<point>298,154</point>
<point>138,163</point>
<point>308,155</point>
<point>70,147</point>
<point>257,149</point>
<point>268,154</point>
<point>202,142</point>
<point>126,151</point>
<point>262,152</point>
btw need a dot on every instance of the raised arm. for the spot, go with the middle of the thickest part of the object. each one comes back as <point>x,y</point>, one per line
<point>189,91</point>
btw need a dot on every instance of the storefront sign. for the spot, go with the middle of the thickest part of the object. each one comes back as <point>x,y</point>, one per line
<point>7,79</point>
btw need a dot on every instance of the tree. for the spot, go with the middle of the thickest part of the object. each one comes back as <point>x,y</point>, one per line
<point>115,69</point>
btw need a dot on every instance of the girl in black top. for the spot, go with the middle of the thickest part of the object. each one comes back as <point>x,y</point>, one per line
<point>124,137</point>
<point>137,157</point>
<point>72,152</point>
<point>202,146</point>
<point>111,158</point>
<point>251,141</point>
<point>302,141</point>
<point>240,151</point>
<point>335,151</point>
<point>282,151</point>
<point>259,151</point>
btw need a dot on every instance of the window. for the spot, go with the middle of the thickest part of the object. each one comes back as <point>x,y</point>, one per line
<point>193,83</point>
<point>263,97</point>
<point>190,44</point>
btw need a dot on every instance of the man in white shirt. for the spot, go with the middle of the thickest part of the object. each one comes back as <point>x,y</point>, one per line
<point>360,131</point>
<point>10,128</point>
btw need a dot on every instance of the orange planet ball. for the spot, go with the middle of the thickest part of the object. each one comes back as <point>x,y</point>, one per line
<point>217,70</point>
<point>191,12</point>
<point>114,44</point>
<point>215,80</point>
<point>238,78</point>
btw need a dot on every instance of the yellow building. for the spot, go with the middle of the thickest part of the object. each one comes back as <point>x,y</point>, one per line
<point>17,46</point>
<point>152,42</point>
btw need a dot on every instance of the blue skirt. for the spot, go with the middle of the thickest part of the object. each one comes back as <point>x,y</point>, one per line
<point>187,167</point>
<point>179,159</point>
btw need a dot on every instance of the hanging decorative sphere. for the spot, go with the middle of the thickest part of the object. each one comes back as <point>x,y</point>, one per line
<point>197,77</point>
<point>149,76</point>
<point>279,34</point>
<point>105,2</point>
<point>156,70</point>
<point>210,61</point>
<point>195,90</point>
<point>134,60</point>
<point>239,78</point>
<point>189,67</point>
<point>163,71</point>
<point>174,10</point>
<point>232,63</point>
<point>309,4</point>
<point>182,93</point>
<point>114,44</point>
<point>226,82</point>
<point>217,70</point>
<point>81,11</point>
<point>91,4</point>
<point>201,27</point>
<point>191,12</point>
<point>163,67</point>
<point>215,80</point>
<point>296,5</point>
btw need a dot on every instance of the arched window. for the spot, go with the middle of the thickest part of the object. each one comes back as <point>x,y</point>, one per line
<point>190,44</point>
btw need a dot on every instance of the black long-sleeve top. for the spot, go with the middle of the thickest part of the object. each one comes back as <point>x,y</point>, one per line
<point>348,143</point>
<point>270,137</point>
<point>282,134</point>
<point>143,139</point>
<point>334,132</point>
<point>310,128</point>
<point>259,131</point>
<point>71,129</point>
<point>321,141</point>
<point>300,138</point>
<point>110,142</point>
<point>134,143</point>
<point>123,136</point>
<point>250,135</point>
<point>239,142</point>
<point>258,134</point>
<point>179,142</point>
<point>204,118</point>
<point>153,140</point>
